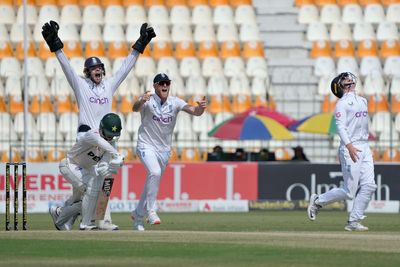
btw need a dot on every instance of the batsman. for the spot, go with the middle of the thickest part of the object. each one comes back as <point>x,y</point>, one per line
<point>93,92</point>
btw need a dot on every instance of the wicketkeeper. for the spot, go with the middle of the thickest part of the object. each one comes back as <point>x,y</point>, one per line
<point>93,93</point>
<point>91,159</point>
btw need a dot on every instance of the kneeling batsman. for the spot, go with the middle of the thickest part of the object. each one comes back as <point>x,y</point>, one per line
<point>90,161</point>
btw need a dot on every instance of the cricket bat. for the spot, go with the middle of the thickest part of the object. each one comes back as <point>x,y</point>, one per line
<point>104,196</point>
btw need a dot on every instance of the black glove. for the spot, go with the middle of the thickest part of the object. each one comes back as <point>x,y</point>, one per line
<point>50,35</point>
<point>146,34</point>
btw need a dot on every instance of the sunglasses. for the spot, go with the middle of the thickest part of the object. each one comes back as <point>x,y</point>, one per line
<point>348,85</point>
<point>163,83</point>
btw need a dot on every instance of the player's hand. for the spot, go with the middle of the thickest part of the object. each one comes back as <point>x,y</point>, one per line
<point>50,35</point>
<point>202,103</point>
<point>353,152</point>
<point>116,163</point>
<point>103,170</point>
<point>146,34</point>
<point>145,97</point>
<point>82,188</point>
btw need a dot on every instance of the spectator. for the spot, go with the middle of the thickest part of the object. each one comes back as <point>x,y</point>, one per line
<point>299,154</point>
<point>265,155</point>
<point>239,155</point>
<point>217,154</point>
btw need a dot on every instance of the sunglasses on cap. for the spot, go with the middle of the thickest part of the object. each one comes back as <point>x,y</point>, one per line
<point>163,83</point>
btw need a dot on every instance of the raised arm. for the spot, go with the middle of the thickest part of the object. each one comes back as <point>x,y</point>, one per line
<point>196,110</point>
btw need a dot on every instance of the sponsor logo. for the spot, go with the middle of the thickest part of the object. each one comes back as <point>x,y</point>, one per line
<point>97,100</point>
<point>163,119</point>
<point>361,114</point>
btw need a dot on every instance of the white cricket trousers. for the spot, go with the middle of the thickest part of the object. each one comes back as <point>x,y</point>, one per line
<point>155,163</point>
<point>359,184</point>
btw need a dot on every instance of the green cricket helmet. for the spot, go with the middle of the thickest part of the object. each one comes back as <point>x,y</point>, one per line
<point>110,126</point>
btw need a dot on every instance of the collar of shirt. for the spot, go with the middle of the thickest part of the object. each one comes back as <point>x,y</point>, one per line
<point>97,89</point>
<point>158,100</point>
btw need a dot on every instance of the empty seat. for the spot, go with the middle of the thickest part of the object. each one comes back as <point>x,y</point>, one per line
<point>223,15</point>
<point>344,48</point>
<point>257,67</point>
<point>181,33</point>
<point>389,48</point>
<point>162,32</point>
<point>162,49</point>
<point>135,13</point>
<point>380,122</point>
<point>93,14</point>
<point>68,123</point>
<point>47,13</point>
<point>212,66</point>
<point>204,32</point>
<point>330,13</point>
<point>352,13</point>
<point>374,83</point>
<point>340,31</point>
<point>244,14</point>
<point>5,49</point>
<point>393,13</point>
<point>202,14</point>
<point>34,66</point>
<point>94,49</point>
<point>347,64</point>
<point>387,31</point>
<point>317,31</point>
<point>91,32</point>
<point>248,33</point>
<point>227,32</point>
<point>158,15</point>
<point>370,64</point>
<point>7,14</point>
<point>147,67</point>
<point>113,33</point>
<point>184,49</point>
<point>190,66</point>
<point>10,66</point>
<point>392,66</point>
<point>367,48</point>
<point>31,15</point>
<point>168,65</point>
<point>324,66</point>
<point>71,14</point>
<point>308,14</point>
<point>207,49</point>
<point>180,14</point>
<point>133,32</point>
<point>374,13</point>
<point>253,49</point>
<point>234,66</point>
<point>196,85</point>
<point>229,49</point>
<point>320,48</point>
<point>114,15</point>
<point>363,31</point>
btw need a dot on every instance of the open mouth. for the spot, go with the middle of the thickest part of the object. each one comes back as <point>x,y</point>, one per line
<point>98,75</point>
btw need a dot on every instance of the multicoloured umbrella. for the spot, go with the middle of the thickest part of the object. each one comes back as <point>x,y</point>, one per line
<point>273,114</point>
<point>250,126</point>
<point>321,123</point>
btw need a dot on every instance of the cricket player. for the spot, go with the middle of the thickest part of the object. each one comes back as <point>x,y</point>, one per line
<point>91,159</point>
<point>93,93</point>
<point>158,117</point>
<point>355,156</point>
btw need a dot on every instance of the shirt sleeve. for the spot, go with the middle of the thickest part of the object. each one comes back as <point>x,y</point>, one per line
<point>72,78</point>
<point>180,103</point>
<point>341,120</point>
<point>94,139</point>
<point>123,71</point>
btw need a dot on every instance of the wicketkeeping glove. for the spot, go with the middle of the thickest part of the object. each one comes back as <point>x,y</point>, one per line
<point>50,35</point>
<point>146,34</point>
<point>116,162</point>
<point>102,170</point>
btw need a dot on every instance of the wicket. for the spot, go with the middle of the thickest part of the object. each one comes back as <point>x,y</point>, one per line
<point>16,197</point>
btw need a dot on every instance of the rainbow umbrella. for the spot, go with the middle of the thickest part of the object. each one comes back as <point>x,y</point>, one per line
<point>321,123</point>
<point>273,114</point>
<point>250,126</point>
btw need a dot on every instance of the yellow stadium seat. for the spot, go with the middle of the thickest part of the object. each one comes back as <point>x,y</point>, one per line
<point>55,155</point>
<point>84,3</point>
<point>324,2</point>
<point>390,155</point>
<point>328,104</point>
<point>253,49</point>
<point>344,48</point>
<point>193,3</point>
<point>19,50</point>
<point>16,156</point>
<point>128,154</point>
<point>21,2</point>
<point>125,105</point>
<point>161,49</point>
<point>72,49</point>
<point>219,103</point>
<point>376,154</point>
<point>46,2</point>
<point>184,49</point>
<point>68,2</point>
<point>236,3</point>
<point>44,51</point>
<point>229,49</point>
<point>147,52</point>
<point>368,2</point>
<point>132,2</point>
<point>390,2</point>
<point>174,155</point>
<point>63,104</point>
<point>94,49</point>
<point>190,155</point>
<point>321,49</point>
<point>3,106</point>
<point>299,3</point>
<point>117,49</point>
<point>241,103</point>
<point>15,104</point>
<point>172,3</point>
<point>106,3</point>
<point>347,2</point>
<point>389,48</point>
<point>367,48</point>
<point>5,49</point>
<point>149,3</point>
<point>40,104</point>
<point>215,3</point>
<point>207,49</point>
<point>35,155</point>
<point>378,103</point>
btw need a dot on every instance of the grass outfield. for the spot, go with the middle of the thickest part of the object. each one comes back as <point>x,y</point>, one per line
<point>210,239</point>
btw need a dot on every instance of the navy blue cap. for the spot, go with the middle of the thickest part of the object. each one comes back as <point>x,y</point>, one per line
<point>161,77</point>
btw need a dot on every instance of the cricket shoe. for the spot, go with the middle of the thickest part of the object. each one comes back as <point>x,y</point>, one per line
<point>355,226</point>
<point>89,227</point>
<point>137,221</point>
<point>153,218</point>
<point>54,213</point>
<point>106,225</point>
<point>313,208</point>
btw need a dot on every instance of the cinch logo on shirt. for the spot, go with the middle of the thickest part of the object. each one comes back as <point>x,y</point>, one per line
<point>97,100</point>
<point>361,114</point>
<point>164,120</point>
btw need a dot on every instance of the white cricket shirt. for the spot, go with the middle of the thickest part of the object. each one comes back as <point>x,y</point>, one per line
<point>158,122</point>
